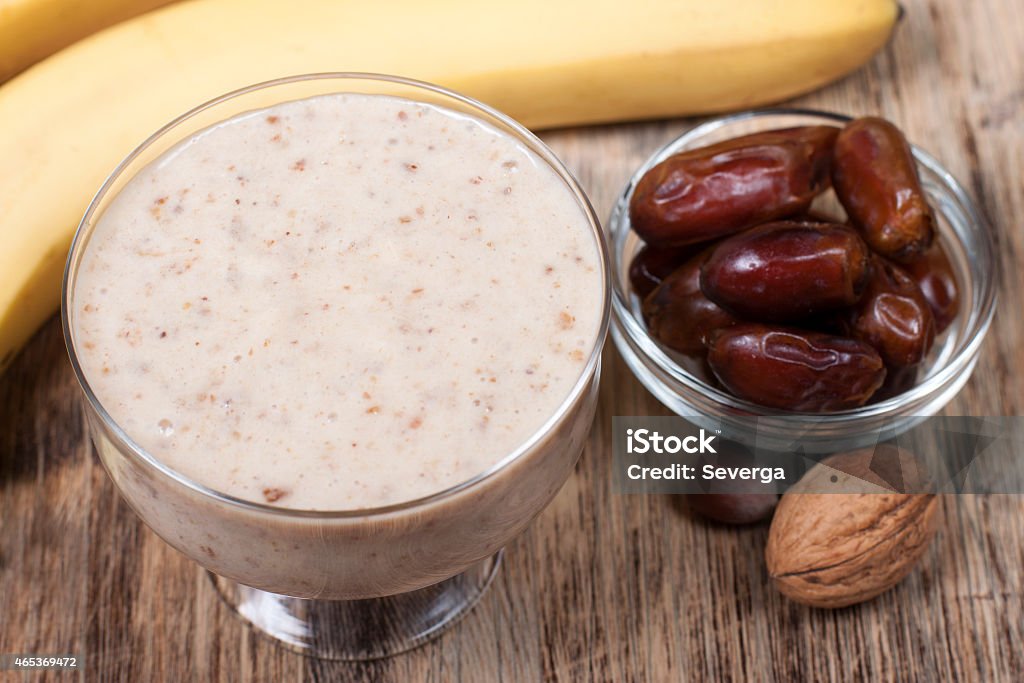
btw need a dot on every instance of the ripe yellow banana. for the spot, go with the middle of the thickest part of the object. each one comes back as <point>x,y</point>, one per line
<point>65,123</point>
<point>33,29</point>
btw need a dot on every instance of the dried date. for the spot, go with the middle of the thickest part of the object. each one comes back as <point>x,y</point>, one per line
<point>934,275</point>
<point>706,193</point>
<point>893,316</point>
<point>792,369</point>
<point>787,271</point>
<point>679,315</point>
<point>733,508</point>
<point>897,381</point>
<point>733,501</point>
<point>651,265</point>
<point>876,180</point>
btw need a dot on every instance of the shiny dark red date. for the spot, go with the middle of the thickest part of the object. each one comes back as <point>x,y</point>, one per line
<point>733,501</point>
<point>733,508</point>
<point>893,316</point>
<point>875,177</point>
<point>897,381</point>
<point>679,315</point>
<point>706,193</point>
<point>792,369</point>
<point>787,271</point>
<point>933,273</point>
<point>651,265</point>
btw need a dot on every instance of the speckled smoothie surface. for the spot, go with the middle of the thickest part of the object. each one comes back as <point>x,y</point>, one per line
<point>338,303</point>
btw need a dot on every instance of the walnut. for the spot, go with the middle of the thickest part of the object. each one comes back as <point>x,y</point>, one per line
<point>838,549</point>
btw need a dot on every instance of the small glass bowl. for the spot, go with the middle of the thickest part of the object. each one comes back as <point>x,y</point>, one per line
<point>684,385</point>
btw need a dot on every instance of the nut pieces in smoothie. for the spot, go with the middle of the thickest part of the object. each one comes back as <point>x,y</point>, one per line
<point>852,316</point>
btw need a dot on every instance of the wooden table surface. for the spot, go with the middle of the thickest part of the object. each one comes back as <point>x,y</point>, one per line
<point>603,586</point>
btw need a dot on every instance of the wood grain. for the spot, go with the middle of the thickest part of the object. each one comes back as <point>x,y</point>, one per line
<point>603,586</point>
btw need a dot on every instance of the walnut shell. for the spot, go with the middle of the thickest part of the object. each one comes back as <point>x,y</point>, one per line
<point>838,549</point>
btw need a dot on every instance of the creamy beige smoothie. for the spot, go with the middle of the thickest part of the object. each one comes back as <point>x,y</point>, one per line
<point>324,306</point>
<point>338,303</point>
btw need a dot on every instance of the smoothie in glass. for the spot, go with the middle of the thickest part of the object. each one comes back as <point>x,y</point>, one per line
<point>333,305</point>
<point>338,303</point>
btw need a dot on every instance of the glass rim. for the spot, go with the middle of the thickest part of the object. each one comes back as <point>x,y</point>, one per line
<point>625,322</point>
<point>514,128</point>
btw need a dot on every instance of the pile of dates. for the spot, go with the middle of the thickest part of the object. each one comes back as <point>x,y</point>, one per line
<point>793,310</point>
